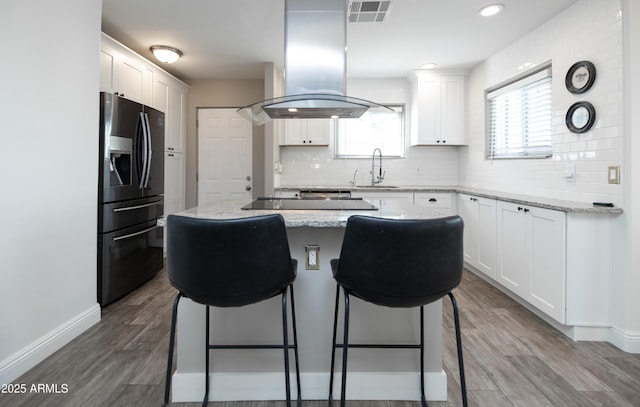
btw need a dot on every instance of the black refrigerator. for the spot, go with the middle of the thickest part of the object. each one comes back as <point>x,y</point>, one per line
<point>130,196</point>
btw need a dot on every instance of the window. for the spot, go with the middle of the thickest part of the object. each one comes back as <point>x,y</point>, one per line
<point>376,128</point>
<point>519,117</point>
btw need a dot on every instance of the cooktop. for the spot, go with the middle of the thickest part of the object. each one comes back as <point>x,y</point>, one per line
<point>336,204</point>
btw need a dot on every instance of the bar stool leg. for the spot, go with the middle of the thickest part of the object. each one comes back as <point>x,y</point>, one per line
<point>285,335</point>
<point>423,398</point>
<point>345,348</point>
<point>205,401</point>
<point>456,317</point>
<point>333,348</point>
<point>295,344</point>
<point>172,341</point>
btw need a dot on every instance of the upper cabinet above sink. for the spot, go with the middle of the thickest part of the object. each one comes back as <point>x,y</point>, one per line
<point>438,102</point>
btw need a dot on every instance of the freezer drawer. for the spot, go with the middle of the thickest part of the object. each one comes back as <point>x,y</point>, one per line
<point>118,215</point>
<point>127,258</point>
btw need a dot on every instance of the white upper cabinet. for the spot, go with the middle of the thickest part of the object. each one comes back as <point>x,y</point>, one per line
<point>438,109</point>
<point>305,132</point>
<point>170,97</point>
<point>124,73</point>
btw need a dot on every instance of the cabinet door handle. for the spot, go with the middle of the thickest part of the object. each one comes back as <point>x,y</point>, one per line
<point>526,210</point>
<point>519,208</point>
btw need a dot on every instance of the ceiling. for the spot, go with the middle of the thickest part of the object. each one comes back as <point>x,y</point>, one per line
<point>233,39</point>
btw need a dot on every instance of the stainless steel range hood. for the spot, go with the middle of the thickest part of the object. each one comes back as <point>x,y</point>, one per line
<point>315,66</point>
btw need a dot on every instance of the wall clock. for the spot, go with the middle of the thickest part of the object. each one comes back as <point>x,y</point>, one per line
<point>580,77</point>
<point>580,117</point>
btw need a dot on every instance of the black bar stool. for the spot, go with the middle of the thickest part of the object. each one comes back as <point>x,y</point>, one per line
<point>398,263</point>
<point>231,263</point>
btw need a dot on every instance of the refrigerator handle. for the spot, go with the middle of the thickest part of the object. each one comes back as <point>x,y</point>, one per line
<point>149,150</point>
<point>138,151</point>
<point>145,149</point>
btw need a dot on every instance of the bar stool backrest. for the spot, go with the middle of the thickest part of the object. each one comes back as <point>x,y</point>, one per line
<point>401,263</point>
<point>230,262</point>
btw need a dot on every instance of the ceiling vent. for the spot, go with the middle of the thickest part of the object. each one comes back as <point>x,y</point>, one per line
<point>368,11</point>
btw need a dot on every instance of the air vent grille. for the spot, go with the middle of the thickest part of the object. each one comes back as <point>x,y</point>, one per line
<point>368,11</point>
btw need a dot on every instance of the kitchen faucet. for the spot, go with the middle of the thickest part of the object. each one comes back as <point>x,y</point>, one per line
<point>353,182</point>
<point>373,165</point>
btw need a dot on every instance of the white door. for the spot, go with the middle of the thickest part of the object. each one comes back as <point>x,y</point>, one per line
<point>468,211</point>
<point>546,249</point>
<point>486,230</point>
<point>224,155</point>
<point>512,268</point>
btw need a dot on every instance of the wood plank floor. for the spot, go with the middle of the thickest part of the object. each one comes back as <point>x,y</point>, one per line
<point>512,358</point>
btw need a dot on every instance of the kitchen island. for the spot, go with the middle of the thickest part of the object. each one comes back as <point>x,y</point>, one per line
<point>257,374</point>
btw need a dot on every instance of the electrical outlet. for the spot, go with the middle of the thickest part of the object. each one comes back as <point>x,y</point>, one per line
<point>313,257</point>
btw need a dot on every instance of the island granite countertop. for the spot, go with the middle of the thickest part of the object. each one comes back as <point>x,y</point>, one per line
<point>536,201</point>
<point>231,209</point>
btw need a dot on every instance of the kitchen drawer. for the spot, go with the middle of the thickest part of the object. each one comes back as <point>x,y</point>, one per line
<point>434,200</point>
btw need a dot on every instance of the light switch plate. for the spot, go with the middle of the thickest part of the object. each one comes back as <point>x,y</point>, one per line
<point>613,174</point>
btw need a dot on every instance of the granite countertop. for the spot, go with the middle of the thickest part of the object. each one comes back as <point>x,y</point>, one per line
<point>536,201</point>
<point>231,209</point>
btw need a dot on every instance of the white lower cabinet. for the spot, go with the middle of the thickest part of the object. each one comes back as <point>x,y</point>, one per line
<point>531,255</point>
<point>479,244</point>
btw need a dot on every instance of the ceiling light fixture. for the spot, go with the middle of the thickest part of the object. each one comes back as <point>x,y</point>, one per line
<point>166,54</point>
<point>491,10</point>
<point>430,65</point>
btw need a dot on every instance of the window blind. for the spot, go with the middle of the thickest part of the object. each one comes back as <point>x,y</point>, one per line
<point>519,118</point>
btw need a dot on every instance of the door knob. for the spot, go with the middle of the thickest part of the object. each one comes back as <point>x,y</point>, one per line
<point>248,187</point>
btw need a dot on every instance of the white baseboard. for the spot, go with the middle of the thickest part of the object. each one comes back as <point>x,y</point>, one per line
<point>189,387</point>
<point>20,362</point>
<point>625,340</point>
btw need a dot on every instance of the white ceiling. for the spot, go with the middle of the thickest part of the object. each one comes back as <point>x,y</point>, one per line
<point>233,39</point>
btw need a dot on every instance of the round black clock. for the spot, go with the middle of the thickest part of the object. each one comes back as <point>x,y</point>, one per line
<point>580,77</point>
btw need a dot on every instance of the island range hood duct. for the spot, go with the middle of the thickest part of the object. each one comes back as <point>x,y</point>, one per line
<point>315,66</point>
